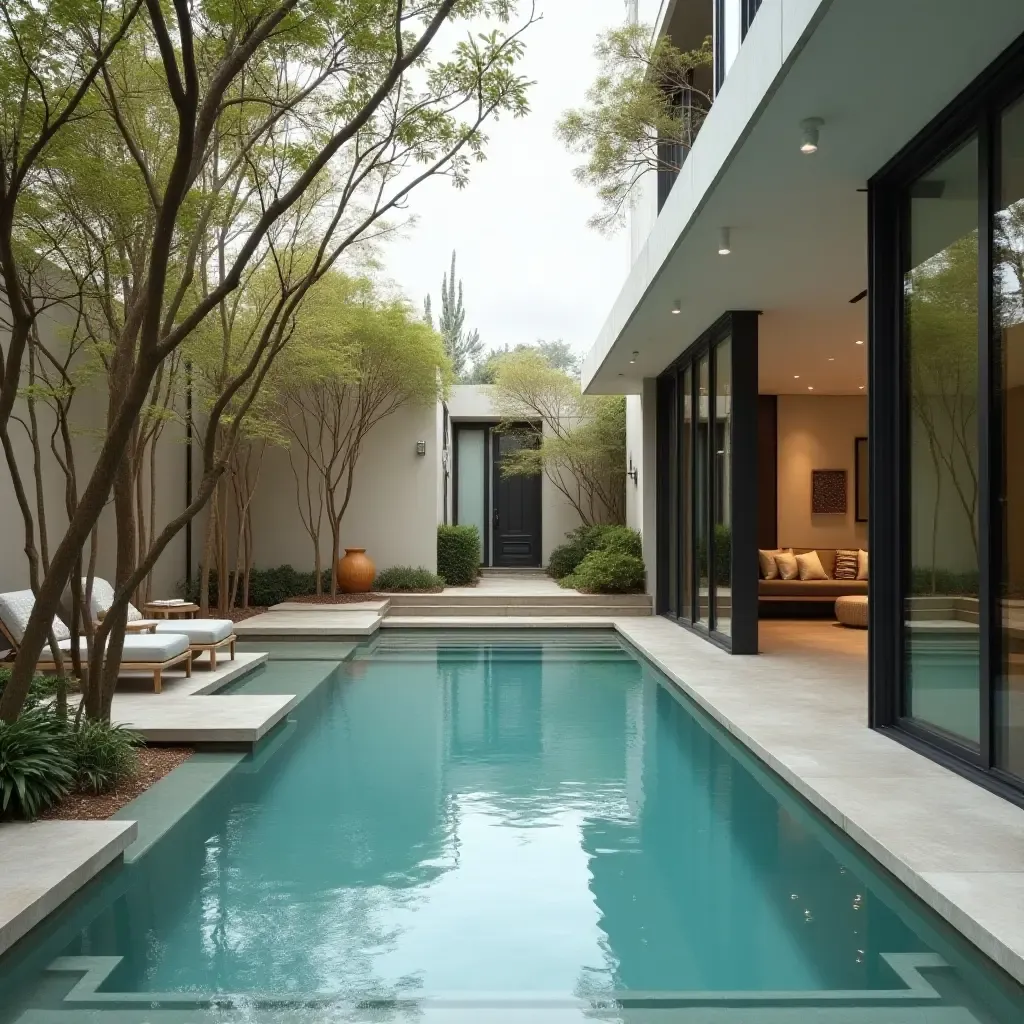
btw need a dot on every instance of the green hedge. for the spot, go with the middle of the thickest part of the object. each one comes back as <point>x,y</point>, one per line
<point>565,559</point>
<point>406,578</point>
<point>458,554</point>
<point>268,586</point>
<point>608,571</point>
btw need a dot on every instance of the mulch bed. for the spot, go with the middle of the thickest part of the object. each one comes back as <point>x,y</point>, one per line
<point>239,614</point>
<point>154,764</point>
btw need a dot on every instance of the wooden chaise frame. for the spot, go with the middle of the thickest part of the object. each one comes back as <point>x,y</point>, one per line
<point>157,668</point>
<point>149,626</point>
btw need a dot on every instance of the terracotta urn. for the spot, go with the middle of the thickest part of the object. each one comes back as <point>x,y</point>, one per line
<point>355,572</point>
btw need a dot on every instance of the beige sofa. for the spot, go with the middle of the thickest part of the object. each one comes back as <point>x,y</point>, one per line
<point>784,591</point>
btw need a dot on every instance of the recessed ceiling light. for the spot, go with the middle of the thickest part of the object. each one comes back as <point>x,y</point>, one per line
<point>809,128</point>
<point>678,307</point>
<point>796,376</point>
<point>858,342</point>
<point>810,387</point>
<point>831,359</point>
<point>861,387</point>
<point>723,243</point>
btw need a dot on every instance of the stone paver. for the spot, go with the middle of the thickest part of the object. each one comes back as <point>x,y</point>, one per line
<point>314,620</point>
<point>42,863</point>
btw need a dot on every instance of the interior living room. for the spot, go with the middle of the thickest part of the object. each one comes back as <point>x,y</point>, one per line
<point>813,480</point>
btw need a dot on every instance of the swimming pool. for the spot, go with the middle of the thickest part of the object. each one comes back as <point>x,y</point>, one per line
<point>507,828</point>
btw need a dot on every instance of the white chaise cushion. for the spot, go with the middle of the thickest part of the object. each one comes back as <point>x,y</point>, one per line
<point>15,609</point>
<point>103,598</point>
<point>154,648</point>
<point>199,631</point>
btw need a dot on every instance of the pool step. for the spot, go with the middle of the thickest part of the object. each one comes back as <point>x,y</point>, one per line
<point>524,609</point>
<point>483,597</point>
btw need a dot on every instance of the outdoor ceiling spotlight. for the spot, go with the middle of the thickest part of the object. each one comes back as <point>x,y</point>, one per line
<point>677,308</point>
<point>633,358</point>
<point>809,126</point>
<point>723,243</point>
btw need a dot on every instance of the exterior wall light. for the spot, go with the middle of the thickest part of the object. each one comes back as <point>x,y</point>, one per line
<point>421,447</point>
<point>723,243</point>
<point>632,359</point>
<point>632,472</point>
<point>677,308</point>
<point>810,126</point>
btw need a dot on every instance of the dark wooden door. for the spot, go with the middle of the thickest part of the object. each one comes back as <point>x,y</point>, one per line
<point>515,517</point>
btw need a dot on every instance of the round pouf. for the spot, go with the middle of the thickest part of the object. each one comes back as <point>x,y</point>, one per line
<point>853,611</point>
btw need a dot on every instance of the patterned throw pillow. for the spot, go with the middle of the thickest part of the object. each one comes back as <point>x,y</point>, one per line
<point>846,564</point>
<point>810,566</point>
<point>787,564</point>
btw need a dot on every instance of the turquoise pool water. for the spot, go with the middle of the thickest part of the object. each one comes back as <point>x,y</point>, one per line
<point>507,829</point>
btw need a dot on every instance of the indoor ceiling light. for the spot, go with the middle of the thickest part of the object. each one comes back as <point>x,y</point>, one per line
<point>858,342</point>
<point>831,359</point>
<point>810,387</point>
<point>861,387</point>
<point>633,360</point>
<point>678,307</point>
<point>809,127</point>
<point>723,243</point>
<point>796,376</point>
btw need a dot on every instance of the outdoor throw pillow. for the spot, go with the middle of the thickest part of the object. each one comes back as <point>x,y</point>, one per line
<point>846,564</point>
<point>810,566</point>
<point>787,565</point>
<point>766,556</point>
<point>862,565</point>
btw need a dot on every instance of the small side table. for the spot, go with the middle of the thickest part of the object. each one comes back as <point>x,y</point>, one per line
<point>171,611</point>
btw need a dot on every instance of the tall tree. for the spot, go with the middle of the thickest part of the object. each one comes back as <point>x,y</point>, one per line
<point>464,348</point>
<point>275,97</point>
<point>642,114</point>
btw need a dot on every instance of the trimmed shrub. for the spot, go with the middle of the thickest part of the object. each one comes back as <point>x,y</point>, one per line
<point>102,755</point>
<point>406,578</point>
<point>566,558</point>
<point>36,769</point>
<point>458,554</point>
<point>608,571</point>
<point>41,689</point>
<point>268,586</point>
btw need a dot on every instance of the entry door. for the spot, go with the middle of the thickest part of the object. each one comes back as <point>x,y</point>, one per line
<point>515,516</point>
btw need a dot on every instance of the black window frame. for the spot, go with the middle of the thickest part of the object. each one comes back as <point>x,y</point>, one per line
<point>977,111</point>
<point>740,326</point>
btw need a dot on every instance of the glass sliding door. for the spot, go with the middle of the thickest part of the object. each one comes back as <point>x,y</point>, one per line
<point>686,492</point>
<point>672,485</point>
<point>471,480</point>
<point>702,612</point>
<point>1008,316</point>
<point>721,449</point>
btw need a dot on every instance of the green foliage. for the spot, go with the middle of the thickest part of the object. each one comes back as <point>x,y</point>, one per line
<point>630,124</point>
<point>36,768</point>
<point>458,554</point>
<point>578,441</point>
<point>723,555</point>
<point>102,754</point>
<point>41,689</point>
<point>926,581</point>
<point>406,578</point>
<point>268,586</point>
<point>558,354</point>
<point>565,559</point>
<point>463,347</point>
<point>610,570</point>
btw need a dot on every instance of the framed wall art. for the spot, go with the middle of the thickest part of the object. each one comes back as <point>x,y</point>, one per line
<point>828,492</point>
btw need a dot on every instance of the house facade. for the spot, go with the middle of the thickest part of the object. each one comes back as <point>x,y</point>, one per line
<point>822,341</point>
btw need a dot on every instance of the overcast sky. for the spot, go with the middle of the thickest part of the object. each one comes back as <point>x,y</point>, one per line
<point>531,268</point>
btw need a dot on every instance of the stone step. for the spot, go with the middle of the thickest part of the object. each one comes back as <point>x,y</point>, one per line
<point>499,608</point>
<point>568,599</point>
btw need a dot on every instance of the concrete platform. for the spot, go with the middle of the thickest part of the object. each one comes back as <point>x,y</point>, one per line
<point>43,863</point>
<point>189,711</point>
<point>497,622</point>
<point>335,622</point>
<point>376,605</point>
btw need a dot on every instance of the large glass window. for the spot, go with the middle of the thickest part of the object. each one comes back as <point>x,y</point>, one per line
<point>722,454</point>
<point>940,282</point>
<point>672,483</point>
<point>470,495</point>
<point>686,492</point>
<point>1008,310</point>
<point>700,504</point>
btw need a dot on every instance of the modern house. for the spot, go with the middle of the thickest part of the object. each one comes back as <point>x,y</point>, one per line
<point>822,340</point>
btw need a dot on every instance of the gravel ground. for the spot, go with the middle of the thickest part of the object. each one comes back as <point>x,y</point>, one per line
<point>154,764</point>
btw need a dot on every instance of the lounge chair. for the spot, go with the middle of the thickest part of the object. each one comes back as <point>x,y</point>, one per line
<point>205,636</point>
<point>149,653</point>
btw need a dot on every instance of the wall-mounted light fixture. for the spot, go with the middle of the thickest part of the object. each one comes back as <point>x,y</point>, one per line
<point>632,472</point>
<point>809,128</point>
<point>724,248</point>
<point>677,308</point>
<point>632,358</point>
<point>421,447</point>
